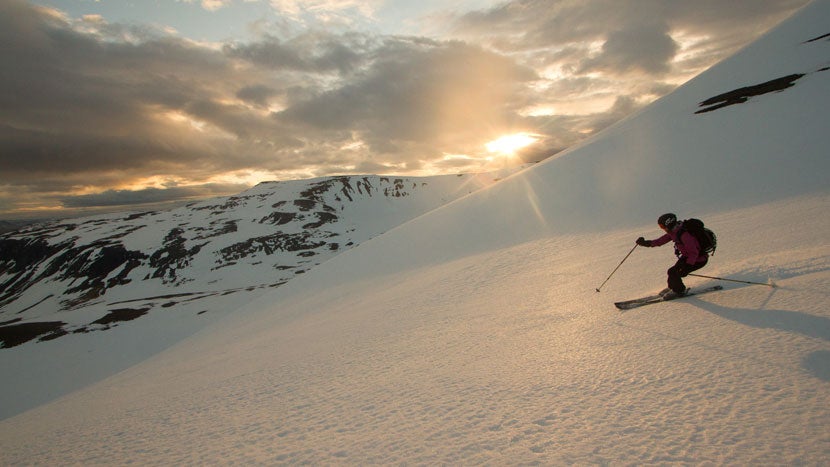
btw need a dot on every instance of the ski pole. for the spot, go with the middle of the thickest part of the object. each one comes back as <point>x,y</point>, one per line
<point>618,266</point>
<point>770,284</point>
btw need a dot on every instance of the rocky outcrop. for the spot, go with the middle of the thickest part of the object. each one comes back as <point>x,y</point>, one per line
<point>272,232</point>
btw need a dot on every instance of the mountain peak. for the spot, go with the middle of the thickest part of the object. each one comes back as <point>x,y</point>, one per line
<point>253,241</point>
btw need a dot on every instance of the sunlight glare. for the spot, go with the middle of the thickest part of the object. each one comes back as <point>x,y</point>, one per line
<point>508,144</point>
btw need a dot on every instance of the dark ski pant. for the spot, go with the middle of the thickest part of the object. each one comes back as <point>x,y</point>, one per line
<point>680,270</point>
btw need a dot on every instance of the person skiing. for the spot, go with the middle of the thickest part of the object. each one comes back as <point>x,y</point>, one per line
<point>690,256</point>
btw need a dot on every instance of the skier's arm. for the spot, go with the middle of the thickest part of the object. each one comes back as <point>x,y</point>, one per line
<point>656,242</point>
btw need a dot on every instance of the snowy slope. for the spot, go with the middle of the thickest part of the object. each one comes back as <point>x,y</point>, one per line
<point>473,334</point>
<point>261,237</point>
<point>107,291</point>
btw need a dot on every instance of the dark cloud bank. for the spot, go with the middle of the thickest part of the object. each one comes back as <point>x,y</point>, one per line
<point>88,104</point>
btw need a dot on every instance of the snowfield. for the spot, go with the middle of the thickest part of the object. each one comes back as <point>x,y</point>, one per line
<point>99,294</point>
<point>474,335</point>
<point>504,357</point>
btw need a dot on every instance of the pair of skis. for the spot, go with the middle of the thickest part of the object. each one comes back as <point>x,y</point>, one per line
<point>657,298</point>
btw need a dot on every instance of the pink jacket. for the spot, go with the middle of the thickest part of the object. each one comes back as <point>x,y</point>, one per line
<point>687,245</point>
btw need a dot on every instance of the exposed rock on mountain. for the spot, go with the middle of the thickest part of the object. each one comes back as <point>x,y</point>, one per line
<point>253,241</point>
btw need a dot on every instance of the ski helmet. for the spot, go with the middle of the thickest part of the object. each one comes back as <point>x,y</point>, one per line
<point>667,220</point>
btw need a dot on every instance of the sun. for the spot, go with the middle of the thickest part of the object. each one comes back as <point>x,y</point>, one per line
<point>507,145</point>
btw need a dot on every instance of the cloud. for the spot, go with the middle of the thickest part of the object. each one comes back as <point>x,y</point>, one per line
<point>328,12</point>
<point>148,195</point>
<point>91,106</point>
<point>79,103</point>
<point>213,5</point>
<point>523,24</point>
<point>416,91</point>
<point>620,36</point>
<point>84,107</point>
<point>610,56</point>
<point>646,48</point>
<point>312,52</point>
<point>257,94</point>
<point>210,5</point>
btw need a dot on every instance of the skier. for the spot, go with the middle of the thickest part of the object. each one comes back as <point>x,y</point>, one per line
<point>686,247</point>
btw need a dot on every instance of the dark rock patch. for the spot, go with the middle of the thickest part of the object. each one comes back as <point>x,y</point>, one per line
<point>278,218</point>
<point>741,95</point>
<point>269,245</point>
<point>173,256</point>
<point>323,218</point>
<point>91,263</point>
<point>226,228</point>
<point>19,259</point>
<point>139,215</point>
<point>17,334</point>
<point>120,315</point>
<point>19,254</point>
<point>305,204</point>
<point>94,267</point>
<point>157,297</point>
<point>397,190</point>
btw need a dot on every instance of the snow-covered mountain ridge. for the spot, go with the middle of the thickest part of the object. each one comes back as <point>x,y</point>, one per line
<point>167,274</point>
<point>473,334</point>
<point>258,239</point>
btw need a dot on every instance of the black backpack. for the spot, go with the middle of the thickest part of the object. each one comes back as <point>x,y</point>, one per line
<point>706,238</point>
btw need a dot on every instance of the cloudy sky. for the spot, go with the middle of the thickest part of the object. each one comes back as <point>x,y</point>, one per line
<point>111,103</point>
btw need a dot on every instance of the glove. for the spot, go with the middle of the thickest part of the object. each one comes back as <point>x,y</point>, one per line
<point>643,242</point>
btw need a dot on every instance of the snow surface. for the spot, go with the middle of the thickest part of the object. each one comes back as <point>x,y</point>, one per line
<point>218,255</point>
<point>473,334</point>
